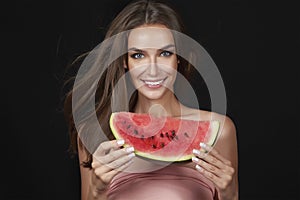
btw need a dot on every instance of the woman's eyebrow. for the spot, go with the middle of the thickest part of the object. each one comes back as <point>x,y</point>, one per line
<point>167,47</point>
<point>135,49</point>
<point>162,48</point>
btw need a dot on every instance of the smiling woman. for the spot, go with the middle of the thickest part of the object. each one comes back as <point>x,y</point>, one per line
<point>153,63</point>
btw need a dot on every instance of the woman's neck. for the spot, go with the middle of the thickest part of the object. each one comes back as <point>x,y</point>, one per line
<point>161,107</point>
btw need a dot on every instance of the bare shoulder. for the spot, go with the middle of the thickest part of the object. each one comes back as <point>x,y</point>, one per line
<point>226,123</point>
<point>226,143</point>
<point>227,135</point>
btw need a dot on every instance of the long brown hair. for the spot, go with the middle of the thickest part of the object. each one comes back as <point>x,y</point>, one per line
<point>133,15</point>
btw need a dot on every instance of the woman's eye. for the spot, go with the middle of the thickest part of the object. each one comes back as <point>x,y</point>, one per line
<point>166,53</point>
<point>137,56</point>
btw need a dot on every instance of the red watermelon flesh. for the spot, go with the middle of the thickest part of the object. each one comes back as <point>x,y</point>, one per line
<point>162,138</point>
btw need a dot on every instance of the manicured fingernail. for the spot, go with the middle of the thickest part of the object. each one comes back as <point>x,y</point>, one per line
<point>196,151</point>
<point>194,159</point>
<point>202,145</point>
<point>120,142</point>
<point>129,149</point>
<point>198,167</point>
<point>131,155</point>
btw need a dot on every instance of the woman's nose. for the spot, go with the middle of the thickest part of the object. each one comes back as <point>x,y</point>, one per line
<point>153,67</point>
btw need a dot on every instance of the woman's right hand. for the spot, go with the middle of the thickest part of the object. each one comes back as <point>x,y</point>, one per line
<point>109,160</point>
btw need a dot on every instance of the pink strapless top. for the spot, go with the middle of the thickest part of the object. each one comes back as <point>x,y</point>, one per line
<point>172,182</point>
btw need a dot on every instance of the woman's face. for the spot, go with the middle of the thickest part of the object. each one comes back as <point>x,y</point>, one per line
<point>152,61</point>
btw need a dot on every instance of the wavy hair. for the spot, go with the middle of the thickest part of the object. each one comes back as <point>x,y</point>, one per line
<point>135,14</point>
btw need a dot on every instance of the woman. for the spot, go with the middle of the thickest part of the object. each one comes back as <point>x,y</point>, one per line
<point>153,65</point>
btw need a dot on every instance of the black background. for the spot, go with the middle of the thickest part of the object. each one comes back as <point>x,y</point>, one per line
<point>255,44</point>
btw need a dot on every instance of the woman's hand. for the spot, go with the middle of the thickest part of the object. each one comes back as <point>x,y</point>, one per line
<point>217,169</point>
<point>109,160</point>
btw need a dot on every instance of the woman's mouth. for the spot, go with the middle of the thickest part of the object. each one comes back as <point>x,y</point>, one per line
<point>154,83</point>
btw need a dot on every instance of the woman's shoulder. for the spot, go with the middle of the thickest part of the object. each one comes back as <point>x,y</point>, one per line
<point>227,139</point>
<point>226,123</point>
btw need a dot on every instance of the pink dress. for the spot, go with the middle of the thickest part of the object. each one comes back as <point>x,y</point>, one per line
<point>172,182</point>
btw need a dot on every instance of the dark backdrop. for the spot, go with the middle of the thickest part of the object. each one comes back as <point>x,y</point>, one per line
<point>254,43</point>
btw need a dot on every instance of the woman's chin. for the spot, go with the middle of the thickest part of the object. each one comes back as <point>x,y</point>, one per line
<point>153,93</point>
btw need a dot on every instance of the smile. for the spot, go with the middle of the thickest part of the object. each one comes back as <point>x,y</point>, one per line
<point>156,83</point>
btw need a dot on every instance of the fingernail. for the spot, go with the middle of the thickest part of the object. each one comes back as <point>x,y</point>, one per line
<point>198,167</point>
<point>194,159</point>
<point>131,155</point>
<point>196,151</point>
<point>202,145</point>
<point>129,149</point>
<point>120,142</point>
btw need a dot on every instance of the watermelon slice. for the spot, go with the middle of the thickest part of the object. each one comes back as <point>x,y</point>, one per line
<point>162,138</point>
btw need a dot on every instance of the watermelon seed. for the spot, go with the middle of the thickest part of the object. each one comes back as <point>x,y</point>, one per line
<point>136,132</point>
<point>152,137</point>
<point>128,127</point>
<point>173,132</point>
<point>161,135</point>
<point>162,144</point>
<point>186,135</point>
<point>153,146</point>
<point>167,134</point>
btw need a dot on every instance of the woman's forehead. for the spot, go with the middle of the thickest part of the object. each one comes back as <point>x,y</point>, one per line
<point>152,36</point>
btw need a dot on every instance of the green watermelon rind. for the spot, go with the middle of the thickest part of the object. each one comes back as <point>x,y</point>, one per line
<point>211,140</point>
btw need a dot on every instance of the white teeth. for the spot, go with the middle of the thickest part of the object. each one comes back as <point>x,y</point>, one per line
<point>153,83</point>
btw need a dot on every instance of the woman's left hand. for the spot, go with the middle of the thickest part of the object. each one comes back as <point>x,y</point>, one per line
<point>217,169</point>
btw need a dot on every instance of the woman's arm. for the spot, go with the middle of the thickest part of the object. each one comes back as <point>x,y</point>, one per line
<point>89,181</point>
<point>87,190</point>
<point>220,165</point>
<point>227,147</point>
<point>108,160</point>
